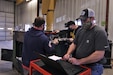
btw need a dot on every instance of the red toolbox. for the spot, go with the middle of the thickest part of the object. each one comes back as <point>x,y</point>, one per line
<point>39,66</point>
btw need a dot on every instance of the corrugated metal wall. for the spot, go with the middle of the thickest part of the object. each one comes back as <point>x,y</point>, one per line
<point>70,10</point>
<point>25,13</point>
<point>6,20</point>
<point>110,23</point>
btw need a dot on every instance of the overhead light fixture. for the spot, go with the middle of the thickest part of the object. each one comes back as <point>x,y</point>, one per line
<point>1,28</point>
<point>28,0</point>
<point>9,28</point>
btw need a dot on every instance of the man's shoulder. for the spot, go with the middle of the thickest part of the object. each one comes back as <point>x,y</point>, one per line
<point>99,31</point>
<point>98,28</point>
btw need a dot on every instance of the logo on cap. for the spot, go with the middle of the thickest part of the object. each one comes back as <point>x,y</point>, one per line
<point>83,13</point>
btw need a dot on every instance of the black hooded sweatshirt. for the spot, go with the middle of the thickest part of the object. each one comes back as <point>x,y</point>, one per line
<point>34,41</point>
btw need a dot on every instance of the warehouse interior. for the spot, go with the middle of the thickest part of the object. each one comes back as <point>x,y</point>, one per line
<point>17,16</point>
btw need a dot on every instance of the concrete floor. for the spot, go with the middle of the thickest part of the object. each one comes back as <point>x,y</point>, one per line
<point>6,66</point>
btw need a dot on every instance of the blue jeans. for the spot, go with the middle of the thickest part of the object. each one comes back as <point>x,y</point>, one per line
<point>96,69</point>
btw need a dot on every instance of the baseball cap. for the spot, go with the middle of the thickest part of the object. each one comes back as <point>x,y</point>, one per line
<point>69,23</point>
<point>87,13</point>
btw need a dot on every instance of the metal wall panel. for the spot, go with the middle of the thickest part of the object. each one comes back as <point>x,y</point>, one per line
<point>10,25</point>
<point>6,6</point>
<point>2,19</point>
<point>2,24</point>
<point>10,20</point>
<point>2,33</point>
<point>8,34</point>
<point>66,10</point>
<point>25,13</point>
<point>10,15</point>
<point>9,38</point>
<point>2,14</point>
<point>110,23</point>
<point>6,20</point>
<point>2,38</point>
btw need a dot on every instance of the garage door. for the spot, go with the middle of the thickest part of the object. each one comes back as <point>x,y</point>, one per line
<point>6,26</point>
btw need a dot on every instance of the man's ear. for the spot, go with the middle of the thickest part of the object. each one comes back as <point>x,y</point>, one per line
<point>42,25</point>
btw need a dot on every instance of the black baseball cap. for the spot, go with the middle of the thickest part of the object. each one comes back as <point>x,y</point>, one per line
<point>69,23</point>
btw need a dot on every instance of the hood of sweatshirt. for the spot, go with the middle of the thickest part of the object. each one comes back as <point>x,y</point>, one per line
<point>33,32</point>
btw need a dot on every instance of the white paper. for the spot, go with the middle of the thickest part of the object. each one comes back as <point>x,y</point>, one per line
<point>54,57</point>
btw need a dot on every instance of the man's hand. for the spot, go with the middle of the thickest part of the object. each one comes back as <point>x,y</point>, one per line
<point>55,41</point>
<point>71,39</point>
<point>74,61</point>
<point>66,57</point>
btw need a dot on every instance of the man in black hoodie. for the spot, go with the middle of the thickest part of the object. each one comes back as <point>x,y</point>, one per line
<point>35,40</point>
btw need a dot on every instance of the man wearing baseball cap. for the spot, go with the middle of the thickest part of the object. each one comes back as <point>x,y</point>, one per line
<point>89,45</point>
<point>72,29</point>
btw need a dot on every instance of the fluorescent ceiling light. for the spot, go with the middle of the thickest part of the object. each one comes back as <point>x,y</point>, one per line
<point>9,28</point>
<point>28,0</point>
<point>1,28</point>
